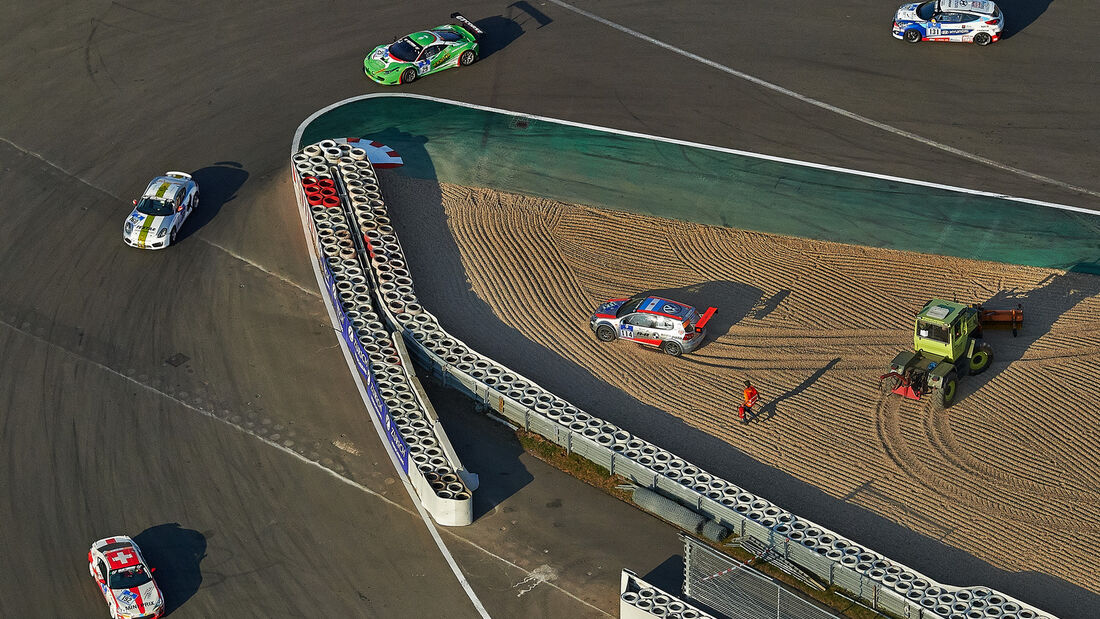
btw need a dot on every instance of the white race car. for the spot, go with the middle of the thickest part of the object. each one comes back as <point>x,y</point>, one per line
<point>959,21</point>
<point>125,580</point>
<point>159,214</point>
<point>673,327</point>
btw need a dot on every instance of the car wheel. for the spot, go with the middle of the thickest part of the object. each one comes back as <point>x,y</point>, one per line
<point>172,236</point>
<point>672,348</point>
<point>912,35</point>
<point>605,333</point>
<point>467,58</point>
<point>408,76</point>
<point>983,38</point>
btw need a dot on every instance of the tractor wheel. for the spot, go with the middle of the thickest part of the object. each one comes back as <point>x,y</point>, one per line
<point>982,357</point>
<point>672,348</point>
<point>912,35</point>
<point>944,397</point>
<point>605,333</point>
<point>888,384</point>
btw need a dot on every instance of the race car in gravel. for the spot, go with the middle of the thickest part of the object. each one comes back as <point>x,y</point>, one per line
<point>160,212</point>
<point>125,579</point>
<point>424,52</point>
<point>674,328</point>
<point>959,21</point>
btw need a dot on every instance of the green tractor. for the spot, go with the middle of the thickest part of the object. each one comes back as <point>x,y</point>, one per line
<point>947,345</point>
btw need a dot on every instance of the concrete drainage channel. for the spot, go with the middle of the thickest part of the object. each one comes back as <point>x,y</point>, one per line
<point>370,286</point>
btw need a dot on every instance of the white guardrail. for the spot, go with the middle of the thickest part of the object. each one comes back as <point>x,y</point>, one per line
<point>343,207</point>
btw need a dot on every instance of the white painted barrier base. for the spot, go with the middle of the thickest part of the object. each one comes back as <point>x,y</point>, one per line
<point>641,600</point>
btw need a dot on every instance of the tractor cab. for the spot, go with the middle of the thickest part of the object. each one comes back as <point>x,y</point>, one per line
<point>944,329</point>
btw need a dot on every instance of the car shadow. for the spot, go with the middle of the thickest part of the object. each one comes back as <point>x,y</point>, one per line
<point>218,184</point>
<point>1020,14</point>
<point>175,554</point>
<point>500,31</point>
<point>734,301</point>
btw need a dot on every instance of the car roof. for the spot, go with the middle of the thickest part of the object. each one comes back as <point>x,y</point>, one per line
<point>665,307</point>
<point>423,38</point>
<point>121,555</point>
<point>985,7</point>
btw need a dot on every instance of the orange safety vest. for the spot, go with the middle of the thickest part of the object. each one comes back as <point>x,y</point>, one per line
<point>751,396</point>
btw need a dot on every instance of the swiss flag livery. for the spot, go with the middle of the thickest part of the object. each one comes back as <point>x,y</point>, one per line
<point>121,558</point>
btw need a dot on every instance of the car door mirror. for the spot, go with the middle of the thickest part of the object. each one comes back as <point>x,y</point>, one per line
<point>179,209</point>
<point>134,203</point>
<point>152,570</point>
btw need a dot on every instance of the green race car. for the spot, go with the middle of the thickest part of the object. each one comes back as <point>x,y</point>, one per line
<point>424,52</point>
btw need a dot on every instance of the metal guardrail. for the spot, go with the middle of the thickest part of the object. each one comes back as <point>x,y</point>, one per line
<point>718,582</point>
<point>835,560</point>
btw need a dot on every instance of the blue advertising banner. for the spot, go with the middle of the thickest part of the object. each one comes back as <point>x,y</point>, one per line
<point>347,331</point>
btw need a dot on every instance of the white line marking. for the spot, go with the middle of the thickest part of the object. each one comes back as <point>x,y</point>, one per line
<point>56,167</point>
<point>382,435</point>
<point>291,452</point>
<point>108,193</point>
<point>281,278</point>
<point>826,106</point>
<point>721,149</point>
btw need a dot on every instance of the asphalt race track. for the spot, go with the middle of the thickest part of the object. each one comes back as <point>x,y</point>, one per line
<point>196,398</point>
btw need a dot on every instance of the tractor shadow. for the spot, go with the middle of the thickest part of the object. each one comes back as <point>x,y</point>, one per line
<point>218,184</point>
<point>175,553</point>
<point>734,301</point>
<point>1020,14</point>
<point>1043,306</point>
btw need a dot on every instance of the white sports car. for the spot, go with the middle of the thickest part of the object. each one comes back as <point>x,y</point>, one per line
<point>124,578</point>
<point>159,214</point>
<point>673,327</point>
<point>960,21</point>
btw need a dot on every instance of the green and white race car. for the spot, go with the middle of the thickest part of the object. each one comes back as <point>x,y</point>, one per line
<point>424,52</point>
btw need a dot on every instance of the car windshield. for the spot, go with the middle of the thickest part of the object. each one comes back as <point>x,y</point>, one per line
<point>129,577</point>
<point>152,206</point>
<point>627,307</point>
<point>932,331</point>
<point>405,50</point>
<point>926,10</point>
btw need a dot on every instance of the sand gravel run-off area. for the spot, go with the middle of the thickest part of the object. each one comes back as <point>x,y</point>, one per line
<point>1009,474</point>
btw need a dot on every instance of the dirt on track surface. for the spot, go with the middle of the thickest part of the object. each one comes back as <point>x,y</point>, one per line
<point>1008,474</point>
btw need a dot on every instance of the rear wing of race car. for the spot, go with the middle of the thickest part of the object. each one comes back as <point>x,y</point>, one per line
<point>707,315</point>
<point>468,25</point>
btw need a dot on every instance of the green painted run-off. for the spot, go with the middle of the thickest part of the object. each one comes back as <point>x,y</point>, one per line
<point>506,152</point>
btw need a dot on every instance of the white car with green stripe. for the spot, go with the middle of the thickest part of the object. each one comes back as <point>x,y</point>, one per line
<point>159,214</point>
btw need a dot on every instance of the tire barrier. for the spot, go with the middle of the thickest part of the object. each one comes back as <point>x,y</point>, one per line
<point>641,600</point>
<point>330,178</point>
<point>881,583</point>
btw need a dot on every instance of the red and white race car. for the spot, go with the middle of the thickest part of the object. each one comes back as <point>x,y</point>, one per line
<point>125,580</point>
<point>673,327</point>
